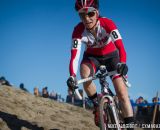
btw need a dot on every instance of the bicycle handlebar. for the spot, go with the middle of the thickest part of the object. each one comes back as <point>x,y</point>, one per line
<point>84,80</point>
<point>98,75</point>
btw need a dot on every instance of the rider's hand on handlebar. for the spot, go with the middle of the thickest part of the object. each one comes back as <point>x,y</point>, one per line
<point>71,82</point>
<point>122,68</point>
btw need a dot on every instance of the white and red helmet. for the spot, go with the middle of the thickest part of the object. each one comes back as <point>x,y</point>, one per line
<point>86,5</point>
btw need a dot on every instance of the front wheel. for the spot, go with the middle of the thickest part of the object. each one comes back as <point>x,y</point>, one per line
<point>108,115</point>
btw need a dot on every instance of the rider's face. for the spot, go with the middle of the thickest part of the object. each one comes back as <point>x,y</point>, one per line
<point>89,19</point>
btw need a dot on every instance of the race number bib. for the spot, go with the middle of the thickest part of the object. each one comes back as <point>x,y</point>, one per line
<point>76,43</point>
<point>115,35</point>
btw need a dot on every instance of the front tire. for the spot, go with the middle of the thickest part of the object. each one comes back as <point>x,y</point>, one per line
<point>108,117</point>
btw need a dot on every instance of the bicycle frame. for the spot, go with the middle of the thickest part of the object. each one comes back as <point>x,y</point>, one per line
<point>106,92</point>
<point>107,98</point>
<point>98,75</point>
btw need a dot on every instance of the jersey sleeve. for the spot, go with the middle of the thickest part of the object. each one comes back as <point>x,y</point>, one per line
<point>117,39</point>
<point>75,55</point>
<point>75,50</point>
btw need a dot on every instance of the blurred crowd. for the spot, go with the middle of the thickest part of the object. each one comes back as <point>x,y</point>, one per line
<point>46,94</point>
<point>43,93</point>
<point>74,99</point>
<point>144,111</point>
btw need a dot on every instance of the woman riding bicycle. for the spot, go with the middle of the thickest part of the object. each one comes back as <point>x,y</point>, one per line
<point>104,46</point>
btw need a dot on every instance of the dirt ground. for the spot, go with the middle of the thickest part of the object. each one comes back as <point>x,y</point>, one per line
<point>20,110</point>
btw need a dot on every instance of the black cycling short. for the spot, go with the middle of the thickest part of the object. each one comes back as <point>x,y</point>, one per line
<point>110,61</point>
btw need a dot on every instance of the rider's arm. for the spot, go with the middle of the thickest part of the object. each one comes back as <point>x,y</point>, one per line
<point>75,55</point>
<point>117,39</point>
<point>75,50</point>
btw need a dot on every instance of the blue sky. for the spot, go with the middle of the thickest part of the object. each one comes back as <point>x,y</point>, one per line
<point>35,39</point>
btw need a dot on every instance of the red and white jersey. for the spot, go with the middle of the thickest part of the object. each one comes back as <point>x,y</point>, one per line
<point>108,40</point>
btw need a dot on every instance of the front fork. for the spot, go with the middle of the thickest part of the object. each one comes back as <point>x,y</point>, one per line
<point>113,109</point>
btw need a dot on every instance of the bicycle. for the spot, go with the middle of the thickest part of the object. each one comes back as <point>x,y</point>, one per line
<point>109,108</point>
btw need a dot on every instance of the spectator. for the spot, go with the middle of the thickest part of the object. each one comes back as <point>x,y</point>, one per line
<point>77,101</point>
<point>140,102</point>
<point>53,95</point>
<point>59,97</point>
<point>45,93</point>
<point>36,92</point>
<point>155,100</point>
<point>142,110</point>
<point>63,99</point>
<point>3,81</point>
<point>21,86</point>
<point>69,96</point>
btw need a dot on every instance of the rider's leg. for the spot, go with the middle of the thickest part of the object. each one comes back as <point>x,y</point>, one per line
<point>90,88</point>
<point>87,70</point>
<point>122,93</point>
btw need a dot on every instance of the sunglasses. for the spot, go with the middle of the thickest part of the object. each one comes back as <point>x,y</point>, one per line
<point>89,14</point>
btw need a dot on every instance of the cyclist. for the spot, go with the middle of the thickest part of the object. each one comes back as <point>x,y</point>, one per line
<point>104,46</point>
